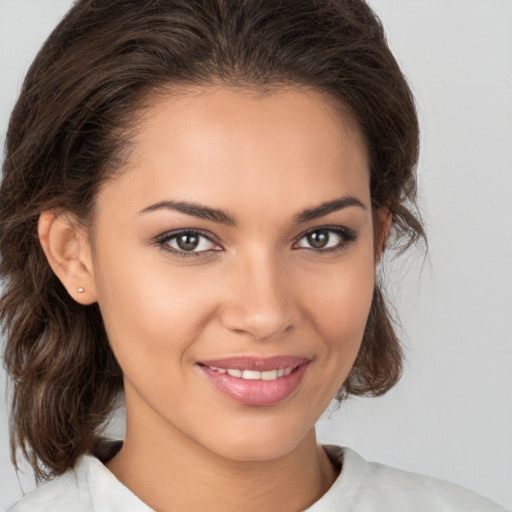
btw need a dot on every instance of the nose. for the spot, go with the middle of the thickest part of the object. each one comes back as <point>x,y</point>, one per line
<point>261,301</point>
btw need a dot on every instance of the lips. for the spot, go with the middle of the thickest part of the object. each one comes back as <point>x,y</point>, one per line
<point>254,374</point>
<point>256,381</point>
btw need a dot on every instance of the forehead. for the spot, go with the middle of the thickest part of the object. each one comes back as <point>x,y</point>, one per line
<point>218,144</point>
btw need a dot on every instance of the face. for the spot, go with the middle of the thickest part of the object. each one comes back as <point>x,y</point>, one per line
<point>234,267</point>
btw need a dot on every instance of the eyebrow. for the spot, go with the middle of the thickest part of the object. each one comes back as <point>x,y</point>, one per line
<point>196,210</point>
<point>215,215</point>
<point>327,207</point>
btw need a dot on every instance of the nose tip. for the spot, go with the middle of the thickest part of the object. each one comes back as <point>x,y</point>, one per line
<point>262,307</point>
<point>258,323</point>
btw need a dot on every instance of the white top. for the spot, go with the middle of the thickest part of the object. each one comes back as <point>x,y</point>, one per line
<point>361,487</point>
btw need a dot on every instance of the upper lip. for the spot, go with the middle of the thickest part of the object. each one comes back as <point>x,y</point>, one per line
<point>255,363</point>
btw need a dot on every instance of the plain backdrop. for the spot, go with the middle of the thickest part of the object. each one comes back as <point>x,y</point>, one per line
<point>451,415</point>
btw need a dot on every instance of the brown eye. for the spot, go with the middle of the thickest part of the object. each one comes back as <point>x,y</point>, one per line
<point>318,239</point>
<point>326,239</point>
<point>187,241</point>
<point>192,242</point>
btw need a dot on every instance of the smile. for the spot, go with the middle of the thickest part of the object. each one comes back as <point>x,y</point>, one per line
<point>254,374</point>
<point>256,381</point>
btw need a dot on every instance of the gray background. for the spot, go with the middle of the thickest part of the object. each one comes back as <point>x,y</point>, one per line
<point>451,415</point>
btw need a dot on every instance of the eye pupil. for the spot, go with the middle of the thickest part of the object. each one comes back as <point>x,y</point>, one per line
<point>187,241</point>
<point>318,239</point>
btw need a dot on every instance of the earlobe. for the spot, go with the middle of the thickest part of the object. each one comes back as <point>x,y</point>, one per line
<point>68,252</point>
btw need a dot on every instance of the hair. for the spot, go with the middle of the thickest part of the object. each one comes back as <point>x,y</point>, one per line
<point>69,132</point>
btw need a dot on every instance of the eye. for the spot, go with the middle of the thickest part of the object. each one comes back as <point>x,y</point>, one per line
<point>326,239</point>
<point>187,243</point>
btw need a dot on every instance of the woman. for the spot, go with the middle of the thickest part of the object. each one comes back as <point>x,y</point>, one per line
<point>196,197</point>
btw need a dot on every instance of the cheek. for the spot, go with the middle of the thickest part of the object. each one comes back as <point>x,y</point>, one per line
<point>146,310</point>
<point>340,300</point>
<point>153,310</point>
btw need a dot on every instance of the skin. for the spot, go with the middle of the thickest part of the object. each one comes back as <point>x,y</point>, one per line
<point>259,289</point>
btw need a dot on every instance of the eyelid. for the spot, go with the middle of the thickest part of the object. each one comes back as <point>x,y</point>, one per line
<point>161,241</point>
<point>348,236</point>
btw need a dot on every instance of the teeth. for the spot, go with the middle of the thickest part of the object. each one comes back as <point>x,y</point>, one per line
<point>270,375</point>
<point>253,374</point>
<point>220,370</point>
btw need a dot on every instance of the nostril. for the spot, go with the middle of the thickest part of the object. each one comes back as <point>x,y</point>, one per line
<point>260,326</point>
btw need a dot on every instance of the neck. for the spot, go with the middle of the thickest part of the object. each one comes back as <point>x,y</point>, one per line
<point>173,473</point>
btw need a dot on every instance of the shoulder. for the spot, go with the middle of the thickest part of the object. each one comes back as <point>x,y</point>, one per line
<point>58,494</point>
<point>89,487</point>
<point>371,486</point>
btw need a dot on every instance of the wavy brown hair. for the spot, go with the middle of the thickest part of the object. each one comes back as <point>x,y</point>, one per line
<point>70,131</point>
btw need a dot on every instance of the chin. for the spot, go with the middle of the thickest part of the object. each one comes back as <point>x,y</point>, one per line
<point>260,444</point>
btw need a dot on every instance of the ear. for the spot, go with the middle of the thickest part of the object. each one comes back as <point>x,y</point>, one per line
<point>385,219</point>
<point>68,251</point>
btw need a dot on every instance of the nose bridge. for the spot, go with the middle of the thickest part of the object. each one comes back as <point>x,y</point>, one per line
<point>263,303</point>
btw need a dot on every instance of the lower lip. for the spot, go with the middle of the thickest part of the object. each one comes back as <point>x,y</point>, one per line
<point>256,392</point>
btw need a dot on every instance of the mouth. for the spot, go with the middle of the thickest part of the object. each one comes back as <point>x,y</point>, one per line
<point>256,381</point>
<point>254,374</point>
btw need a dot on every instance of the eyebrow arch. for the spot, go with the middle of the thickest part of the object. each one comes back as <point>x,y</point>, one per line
<point>215,215</point>
<point>327,207</point>
<point>196,210</point>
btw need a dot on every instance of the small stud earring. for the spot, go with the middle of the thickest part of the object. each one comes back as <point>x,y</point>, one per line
<point>81,290</point>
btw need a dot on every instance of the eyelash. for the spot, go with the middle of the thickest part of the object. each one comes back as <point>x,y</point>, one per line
<point>347,236</point>
<point>163,242</point>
